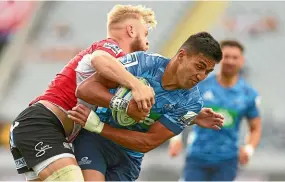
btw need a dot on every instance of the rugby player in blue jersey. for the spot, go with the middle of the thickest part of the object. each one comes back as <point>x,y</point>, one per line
<point>104,149</point>
<point>215,155</point>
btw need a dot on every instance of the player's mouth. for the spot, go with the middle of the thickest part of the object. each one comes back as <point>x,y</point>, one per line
<point>229,66</point>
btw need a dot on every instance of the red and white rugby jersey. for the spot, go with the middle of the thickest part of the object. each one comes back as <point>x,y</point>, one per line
<point>61,90</point>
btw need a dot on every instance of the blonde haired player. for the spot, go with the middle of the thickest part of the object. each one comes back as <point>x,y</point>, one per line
<point>40,134</point>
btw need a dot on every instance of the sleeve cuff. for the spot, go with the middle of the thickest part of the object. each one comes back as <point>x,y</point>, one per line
<point>170,124</point>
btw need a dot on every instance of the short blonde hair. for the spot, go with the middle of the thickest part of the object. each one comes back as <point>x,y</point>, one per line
<point>123,12</point>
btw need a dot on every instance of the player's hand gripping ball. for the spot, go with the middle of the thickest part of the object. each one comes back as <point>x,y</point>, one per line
<point>121,117</point>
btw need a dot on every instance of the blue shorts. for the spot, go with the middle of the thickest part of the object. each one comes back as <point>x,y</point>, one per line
<point>197,169</point>
<point>95,152</point>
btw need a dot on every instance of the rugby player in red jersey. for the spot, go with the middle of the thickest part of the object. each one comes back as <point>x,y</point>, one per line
<point>38,137</point>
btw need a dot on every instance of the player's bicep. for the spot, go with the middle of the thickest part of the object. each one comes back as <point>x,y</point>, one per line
<point>101,58</point>
<point>96,77</point>
<point>96,80</point>
<point>94,84</point>
<point>254,123</point>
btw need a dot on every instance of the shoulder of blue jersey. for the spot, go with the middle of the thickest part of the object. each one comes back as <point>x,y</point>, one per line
<point>155,54</point>
<point>145,53</point>
<point>196,93</point>
<point>196,98</point>
<point>249,89</point>
<point>156,59</point>
<point>133,58</point>
<point>251,92</point>
<point>129,59</point>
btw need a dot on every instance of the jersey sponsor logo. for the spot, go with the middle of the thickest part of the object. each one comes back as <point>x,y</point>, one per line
<point>229,116</point>
<point>84,160</point>
<point>41,149</point>
<point>20,163</point>
<point>113,47</point>
<point>187,119</point>
<point>229,120</point>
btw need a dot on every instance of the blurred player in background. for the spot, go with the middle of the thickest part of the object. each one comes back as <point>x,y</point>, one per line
<point>38,138</point>
<point>114,152</point>
<point>214,155</point>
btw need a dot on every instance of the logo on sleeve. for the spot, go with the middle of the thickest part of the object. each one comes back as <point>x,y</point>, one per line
<point>129,60</point>
<point>113,47</point>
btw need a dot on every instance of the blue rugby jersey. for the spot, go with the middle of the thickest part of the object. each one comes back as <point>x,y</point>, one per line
<point>174,109</point>
<point>234,104</point>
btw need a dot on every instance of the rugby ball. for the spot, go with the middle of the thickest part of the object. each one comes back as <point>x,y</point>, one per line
<point>121,117</point>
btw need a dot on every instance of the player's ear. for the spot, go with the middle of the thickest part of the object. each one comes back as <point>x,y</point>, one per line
<point>181,53</point>
<point>131,31</point>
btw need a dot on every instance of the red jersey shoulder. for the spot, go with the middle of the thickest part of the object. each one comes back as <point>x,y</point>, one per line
<point>111,47</point>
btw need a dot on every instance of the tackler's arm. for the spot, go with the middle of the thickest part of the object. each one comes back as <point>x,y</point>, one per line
<point>113,70</point>
<point>95,90</point>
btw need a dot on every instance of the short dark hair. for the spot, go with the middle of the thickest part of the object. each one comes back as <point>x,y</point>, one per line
<point>204,43</point>
<point>232,43</point>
